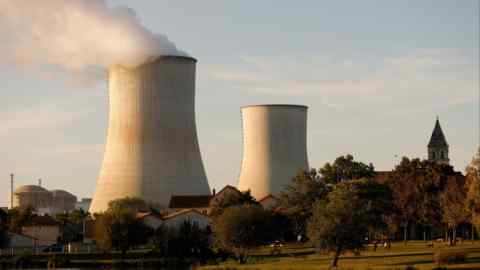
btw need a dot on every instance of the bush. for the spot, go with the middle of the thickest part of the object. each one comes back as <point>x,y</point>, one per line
<point>449,257</point>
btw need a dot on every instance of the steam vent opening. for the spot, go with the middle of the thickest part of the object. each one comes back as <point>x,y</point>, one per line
<point>274,147</point>
<point>152,149</point>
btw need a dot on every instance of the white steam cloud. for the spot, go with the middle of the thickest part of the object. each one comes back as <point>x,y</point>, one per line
<point>75,35</point>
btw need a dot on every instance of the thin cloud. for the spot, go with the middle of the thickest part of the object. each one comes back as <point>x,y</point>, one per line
<point>412,82</point>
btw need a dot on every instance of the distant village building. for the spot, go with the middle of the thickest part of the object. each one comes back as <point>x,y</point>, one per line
<point>201,203</point>
<point>43,228</point>
<point>438,146</point>
<point>175,220</point>
<point>437,150</point>
<point>21,241</point>
<point>269,202</point>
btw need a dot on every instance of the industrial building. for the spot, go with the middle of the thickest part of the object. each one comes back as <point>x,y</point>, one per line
<point>274,147</point>
<point>33,196</point>
<point>44,201</point>
<point>152,150</point>
<point>63,201</point>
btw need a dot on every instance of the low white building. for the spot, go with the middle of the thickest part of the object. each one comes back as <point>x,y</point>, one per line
<point>175,220</point>
<point>21,241</point>
<point>150,219</point>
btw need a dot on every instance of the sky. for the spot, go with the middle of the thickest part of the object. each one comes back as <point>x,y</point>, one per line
<point>374,74</point>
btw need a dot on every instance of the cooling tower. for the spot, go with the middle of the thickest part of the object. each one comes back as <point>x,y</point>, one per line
<point>152,150</point>
<point>274,147</point>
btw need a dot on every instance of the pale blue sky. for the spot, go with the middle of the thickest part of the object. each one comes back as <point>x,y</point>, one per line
<point>374,74</point>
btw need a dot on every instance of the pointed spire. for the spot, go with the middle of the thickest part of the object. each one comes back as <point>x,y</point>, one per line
<point>438,138</point>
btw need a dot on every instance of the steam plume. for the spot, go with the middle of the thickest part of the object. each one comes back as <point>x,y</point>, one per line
<point>75,35</point>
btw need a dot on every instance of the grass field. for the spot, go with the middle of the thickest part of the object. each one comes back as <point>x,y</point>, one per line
<point>415,254</point>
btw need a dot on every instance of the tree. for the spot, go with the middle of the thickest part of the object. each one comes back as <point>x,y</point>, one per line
<point>72,225</point>
<point>128,204</point>
<point>189,241</point>
<point>342,220</point>
<point>473,190</point>
<point>297,200</point>
<point>161,236</point>
<point>119,228</point>
<point>345,168</point>
<point>416,186</point>
<point>4,238</point>
<point>231,199</point>
<point>452,202</point>
<point>240,228</point>
<point>19,217</point>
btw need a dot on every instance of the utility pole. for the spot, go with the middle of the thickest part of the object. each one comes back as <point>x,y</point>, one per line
<point>11,190</point>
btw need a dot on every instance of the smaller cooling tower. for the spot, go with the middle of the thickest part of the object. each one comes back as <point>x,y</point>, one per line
<point>274,147</point>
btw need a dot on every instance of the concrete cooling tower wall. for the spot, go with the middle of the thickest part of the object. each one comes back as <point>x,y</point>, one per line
<point>152,150</point>
<point>274,147</point>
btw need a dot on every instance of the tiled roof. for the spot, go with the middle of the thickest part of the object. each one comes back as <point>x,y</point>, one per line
<point>190,201</point>
<point>438,138</point>
<point>11,234</point>
<point>141,215</point>
<point>182,212</point>
<point>266,197</point>
<point>30,189</point>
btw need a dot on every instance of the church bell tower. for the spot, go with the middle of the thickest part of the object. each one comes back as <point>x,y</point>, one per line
<point>438,146</point>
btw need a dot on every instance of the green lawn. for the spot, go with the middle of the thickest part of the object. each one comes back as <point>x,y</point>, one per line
<point>417,254</point>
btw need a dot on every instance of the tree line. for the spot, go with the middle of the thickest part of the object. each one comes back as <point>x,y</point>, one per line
<point>339,207</point>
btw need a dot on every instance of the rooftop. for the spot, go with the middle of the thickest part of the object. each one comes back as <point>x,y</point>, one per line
<point>30,189</point>
<point>190,201</point>
<point>438,138</point>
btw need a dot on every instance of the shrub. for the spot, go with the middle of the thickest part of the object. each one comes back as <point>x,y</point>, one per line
<point>449,257</point>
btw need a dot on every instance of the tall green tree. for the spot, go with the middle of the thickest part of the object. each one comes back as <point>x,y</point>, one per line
<point>119,228</point>
<point>18,217</point>
<point>296,202</point>
<point>189,240</point>
<point>128,204</point>
<point>452,202</point>
<point>345,168</point>
<point>342,220</point>
<point>473,190</point>
<point>240,228</point>
<point>417,185</point>
<point>231,199</point>
<point>4,238</point>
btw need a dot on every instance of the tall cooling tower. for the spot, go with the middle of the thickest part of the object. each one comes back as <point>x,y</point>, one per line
<point>274,147</point>
<point>152,149</point>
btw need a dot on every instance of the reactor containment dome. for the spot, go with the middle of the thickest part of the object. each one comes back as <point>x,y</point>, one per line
<point>152,150</point>
<point>274,147</point>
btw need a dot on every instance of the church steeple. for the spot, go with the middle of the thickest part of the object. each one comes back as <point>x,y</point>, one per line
<point>438,146</point>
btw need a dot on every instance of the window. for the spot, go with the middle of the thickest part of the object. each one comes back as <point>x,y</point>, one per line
<point>433,155</point>
<point>442,155</point>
